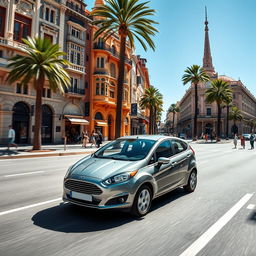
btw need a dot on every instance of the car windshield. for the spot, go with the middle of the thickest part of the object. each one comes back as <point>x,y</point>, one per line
<point>126,149</point>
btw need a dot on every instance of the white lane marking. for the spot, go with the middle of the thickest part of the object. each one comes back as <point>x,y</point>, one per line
<point>21,174</point>
<point>205,238</point>
<point>250,206</point>
<point>29,206</point>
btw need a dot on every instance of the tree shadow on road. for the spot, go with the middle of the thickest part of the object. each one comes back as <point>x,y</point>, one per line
<point>70,218</point>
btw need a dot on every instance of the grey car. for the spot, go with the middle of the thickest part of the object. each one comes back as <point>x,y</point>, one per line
<point>130,172</point>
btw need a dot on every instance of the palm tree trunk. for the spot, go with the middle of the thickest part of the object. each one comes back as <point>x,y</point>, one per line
<point>119,101</point>
<point>195,117</point>
<point>151,120</point>
<point>155,125</point>
<point>218,122</point>
<point>227,123</point>
<point>173,118</point>
<point>38,113</point>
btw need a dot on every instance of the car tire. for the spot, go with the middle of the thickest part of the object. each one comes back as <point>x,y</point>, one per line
<point>192,182</point>
<point>142,201</point>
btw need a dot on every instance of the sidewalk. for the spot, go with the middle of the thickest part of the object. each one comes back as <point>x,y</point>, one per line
<point>47,150</point>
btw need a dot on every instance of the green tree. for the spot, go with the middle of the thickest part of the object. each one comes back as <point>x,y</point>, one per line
<point>235,115</point>
<point>227,104</point>
<point>174,108</point>
<point>41,62</point>
<point>153,100</point>
<point>195,75</point>
<point>220,93</point>
<point>251,123</point>
<point>130,19</point>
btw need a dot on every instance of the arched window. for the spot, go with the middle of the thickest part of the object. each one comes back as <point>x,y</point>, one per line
<point>98,116</point>
<point>113,49</point>
<point>113,70</point>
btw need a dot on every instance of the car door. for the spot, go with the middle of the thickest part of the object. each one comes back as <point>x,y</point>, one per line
<point>182,156</point>
<point>165,173</point>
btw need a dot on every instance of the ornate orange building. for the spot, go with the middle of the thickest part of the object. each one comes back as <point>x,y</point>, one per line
<point>101,99</point>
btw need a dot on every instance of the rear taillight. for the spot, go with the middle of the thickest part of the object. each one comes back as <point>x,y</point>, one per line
<point>192,150</point>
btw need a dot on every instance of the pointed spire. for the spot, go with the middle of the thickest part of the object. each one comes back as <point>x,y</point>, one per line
<point>207,60</point>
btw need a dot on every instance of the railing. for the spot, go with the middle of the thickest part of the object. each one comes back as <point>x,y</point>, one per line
<point>101,72</point>
<point>12,43</point>
<point>75,90</point>
<point>111,50</point>
<point>75,39</point>
<point>75,8</point>
<point>77,68</point>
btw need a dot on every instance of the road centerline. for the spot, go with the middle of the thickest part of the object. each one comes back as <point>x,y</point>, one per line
<point>29,206</point>
<point>205,238</point>
<point>24,173</point>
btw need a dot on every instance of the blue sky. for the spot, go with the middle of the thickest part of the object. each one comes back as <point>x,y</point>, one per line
<point>180,43</point>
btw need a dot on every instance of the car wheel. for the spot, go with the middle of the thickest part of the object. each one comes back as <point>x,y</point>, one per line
<point>192,181</point>
<point>142,201</point>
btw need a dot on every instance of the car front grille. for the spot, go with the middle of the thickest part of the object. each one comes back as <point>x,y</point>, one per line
<point>82,187</point>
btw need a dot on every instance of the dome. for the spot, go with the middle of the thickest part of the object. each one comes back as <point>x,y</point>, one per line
<point>226,78</point>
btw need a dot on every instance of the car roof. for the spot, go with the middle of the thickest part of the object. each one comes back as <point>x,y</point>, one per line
<point>149,137</point>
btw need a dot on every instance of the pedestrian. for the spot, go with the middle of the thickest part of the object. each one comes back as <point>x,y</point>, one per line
<point>206,137</point>
<point>85,138</point>
<point>93,138</point>
<point>235,140</point>
<point>99,139</point>
<point>11,138</point>
<point>252,141</point>
<point>242,138</point>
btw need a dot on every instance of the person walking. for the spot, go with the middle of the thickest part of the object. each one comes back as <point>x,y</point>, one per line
<point>252,141</point>
<point>242,138</point>
<point>99,139</point>
<point>93,139</point>
<point>85,139</point>
<point>235,140</point>
<point>11,138</point>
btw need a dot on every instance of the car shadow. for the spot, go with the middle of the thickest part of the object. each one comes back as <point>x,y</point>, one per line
<point>70,218</point>
<point>9,152</point>
<point>252,217</point>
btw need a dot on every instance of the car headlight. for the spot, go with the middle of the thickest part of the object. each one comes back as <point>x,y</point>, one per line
<point>67,173</point>
<point>122,177</point>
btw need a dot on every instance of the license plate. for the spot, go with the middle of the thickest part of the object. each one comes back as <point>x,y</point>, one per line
<point>81,196</point>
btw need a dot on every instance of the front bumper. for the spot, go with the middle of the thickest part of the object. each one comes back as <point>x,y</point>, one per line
<point>111,197</point>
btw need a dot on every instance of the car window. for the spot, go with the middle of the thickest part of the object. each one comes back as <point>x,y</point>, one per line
<point>178,146</point>
<point>164,150</point>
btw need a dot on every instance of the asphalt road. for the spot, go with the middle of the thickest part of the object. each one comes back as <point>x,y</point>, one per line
<point>219,218</point>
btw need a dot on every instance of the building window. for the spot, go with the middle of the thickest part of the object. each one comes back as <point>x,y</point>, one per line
<point>49,93</point>
<point>1,54</point>
<point>112,94</point>
<point>47,10</point>
<point>88,36</point>
<point>22,89</point>
<point>97,89</point>
<point>52,16</point>
<point>74,84</point>
<point>112,70</point>
<point>76,33</point>
<point>18,88</point>
<point>98,116</point>
<point>25,89</point>
<point>76,54</point>
<point>100,62</point>
<point>208,111</point>
<point>2,21</point>
<point>50,37</point>
<point>22,27</point>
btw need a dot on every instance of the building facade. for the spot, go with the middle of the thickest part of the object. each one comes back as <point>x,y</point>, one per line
<point>62,22</point>
<point>207,113</point>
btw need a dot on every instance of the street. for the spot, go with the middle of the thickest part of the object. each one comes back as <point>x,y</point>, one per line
<point>219,218</point>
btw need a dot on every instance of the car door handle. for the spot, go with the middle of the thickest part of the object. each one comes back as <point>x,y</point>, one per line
<point>174,164</point>
<point>188,156</point>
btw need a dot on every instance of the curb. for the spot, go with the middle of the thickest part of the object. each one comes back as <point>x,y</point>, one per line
<point>46,155</point>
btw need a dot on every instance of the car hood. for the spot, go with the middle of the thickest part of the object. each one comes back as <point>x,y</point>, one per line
<point>102,168</point>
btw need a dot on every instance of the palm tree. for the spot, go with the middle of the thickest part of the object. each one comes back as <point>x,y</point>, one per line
<point>235,115</point>
<point>153,100</point>
<point>195,74</point>
<point>173,109</point>
<point>219,92</point>
<point>228,104</point>
<point>251,123</point>
<point>41,62</point>
<point>130,20</point>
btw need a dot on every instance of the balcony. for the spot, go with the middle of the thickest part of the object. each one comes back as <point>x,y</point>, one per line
<point>101,71</point>
<point>11,43</point>
<point>75,8</point>
<point>110,50</point>
<point>77,68</point>
<point>75,40</point>
<point>75,92</point>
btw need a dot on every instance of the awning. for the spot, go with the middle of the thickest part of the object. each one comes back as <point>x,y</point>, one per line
<point>101,123</point>
<point>80,121</point>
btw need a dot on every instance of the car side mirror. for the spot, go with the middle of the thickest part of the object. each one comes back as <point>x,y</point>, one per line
<point>163,160</point>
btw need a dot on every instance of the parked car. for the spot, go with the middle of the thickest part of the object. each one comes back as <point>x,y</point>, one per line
<point>247,136</point>
<point>130,172</point>
<point>183,136</point>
